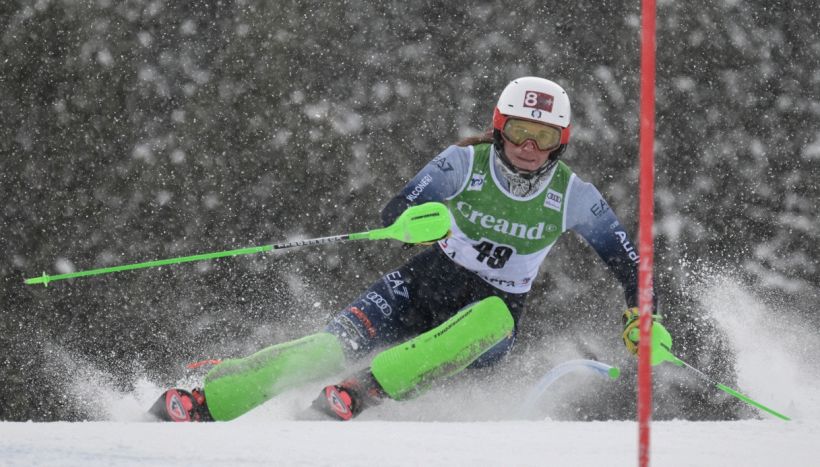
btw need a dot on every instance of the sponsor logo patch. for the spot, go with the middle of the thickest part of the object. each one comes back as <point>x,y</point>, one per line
<point>350,328</point>
<point>538,100</point>
<point>443,164</point>
<point>600,207</point>
<point>506,283</point>
<point>419,188</point>
<point>449,326</point>
<point>380,302</point>
<point>553,200</point>
<point>339,406</point>
<point>489,221</point>
<point>476,182</point>
<point>364,320</point>
<point>396,283</point>
<point>175,407</point>
<point>630,250</point>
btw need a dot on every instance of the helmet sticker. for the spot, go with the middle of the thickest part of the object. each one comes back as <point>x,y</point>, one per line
<point>538,100</point>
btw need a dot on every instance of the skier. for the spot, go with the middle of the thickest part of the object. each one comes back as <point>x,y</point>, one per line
<point>456,304</point>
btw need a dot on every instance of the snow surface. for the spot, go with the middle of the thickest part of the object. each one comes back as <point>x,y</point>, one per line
<point>459,427</point>
<point>515,443</point>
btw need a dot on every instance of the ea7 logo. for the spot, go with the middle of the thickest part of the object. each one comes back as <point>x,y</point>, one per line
<point>443,164</point>
<point>396,283</point>
<point>476,182</point>
<point>599,207</point>
<point>553,200</point>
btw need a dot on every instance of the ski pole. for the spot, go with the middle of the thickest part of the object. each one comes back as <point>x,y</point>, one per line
<point>422,223</point>
<point>748,400</point>
<point>573,366</point>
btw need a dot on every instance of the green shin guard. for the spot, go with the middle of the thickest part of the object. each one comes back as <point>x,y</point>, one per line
<point>234,387</point>
<point>409,368</point>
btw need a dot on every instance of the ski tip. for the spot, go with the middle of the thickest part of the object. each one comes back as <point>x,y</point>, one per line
<point>614,373</point>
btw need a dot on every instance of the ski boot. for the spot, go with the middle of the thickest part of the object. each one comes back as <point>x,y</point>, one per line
<point>347,399</point>
<point>179,405</point>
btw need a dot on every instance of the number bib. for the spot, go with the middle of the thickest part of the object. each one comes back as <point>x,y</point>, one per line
<point>501,237</point>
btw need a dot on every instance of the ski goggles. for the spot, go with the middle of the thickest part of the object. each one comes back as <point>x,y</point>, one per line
<point>544,136</point>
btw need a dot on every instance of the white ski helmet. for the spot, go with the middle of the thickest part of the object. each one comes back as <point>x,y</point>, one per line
<point>538,100</point>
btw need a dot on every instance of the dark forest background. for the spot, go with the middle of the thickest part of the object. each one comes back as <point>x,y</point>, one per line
<point>145,129</point>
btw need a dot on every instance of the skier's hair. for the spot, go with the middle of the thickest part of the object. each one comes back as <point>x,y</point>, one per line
<point>486,137</point>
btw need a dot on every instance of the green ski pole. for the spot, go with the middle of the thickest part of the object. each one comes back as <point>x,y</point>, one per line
<point>422,223</point>
<point>669,356</point>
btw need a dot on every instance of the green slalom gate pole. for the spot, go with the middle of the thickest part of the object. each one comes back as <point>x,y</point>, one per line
<point>669,356</point>
<point>423,223</point>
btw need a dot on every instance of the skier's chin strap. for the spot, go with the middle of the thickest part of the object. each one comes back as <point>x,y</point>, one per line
<point>523,182</point>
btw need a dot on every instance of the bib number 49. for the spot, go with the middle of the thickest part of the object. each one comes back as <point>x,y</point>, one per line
<point>496,256</point>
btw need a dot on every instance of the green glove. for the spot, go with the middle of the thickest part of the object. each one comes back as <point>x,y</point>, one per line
<point>661,339</point>
<point>630,321</point>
